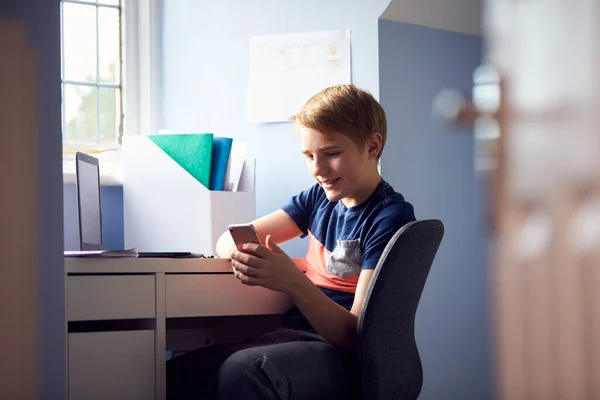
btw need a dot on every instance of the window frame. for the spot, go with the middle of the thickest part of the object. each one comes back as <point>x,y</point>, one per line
<point>143,66</point>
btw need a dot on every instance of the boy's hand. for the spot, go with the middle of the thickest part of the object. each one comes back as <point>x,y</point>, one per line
<point>269,267</point>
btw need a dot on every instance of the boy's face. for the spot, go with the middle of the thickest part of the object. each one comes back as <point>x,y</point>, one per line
<point>342,169</point>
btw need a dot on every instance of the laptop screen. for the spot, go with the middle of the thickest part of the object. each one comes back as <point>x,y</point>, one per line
<point>88,201</point>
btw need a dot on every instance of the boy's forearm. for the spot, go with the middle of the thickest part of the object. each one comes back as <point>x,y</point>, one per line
<point>332,321</point>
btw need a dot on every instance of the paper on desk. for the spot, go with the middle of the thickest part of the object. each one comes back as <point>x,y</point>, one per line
<point>101,253</point>
<point>286,70</point>
<point>235,165</point>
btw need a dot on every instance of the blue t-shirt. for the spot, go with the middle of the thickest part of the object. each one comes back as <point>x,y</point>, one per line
<point>343,241</point>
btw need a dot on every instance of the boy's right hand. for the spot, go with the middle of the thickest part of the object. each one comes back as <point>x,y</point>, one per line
<point>272,269</point>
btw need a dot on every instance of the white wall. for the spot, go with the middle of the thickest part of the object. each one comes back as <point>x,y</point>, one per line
<point>205,53</point>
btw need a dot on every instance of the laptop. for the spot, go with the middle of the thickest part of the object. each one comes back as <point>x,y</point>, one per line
<point>89,211</point>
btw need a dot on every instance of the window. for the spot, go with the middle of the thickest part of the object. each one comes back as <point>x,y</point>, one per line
<point>92,100</point>
<point>111,69</point>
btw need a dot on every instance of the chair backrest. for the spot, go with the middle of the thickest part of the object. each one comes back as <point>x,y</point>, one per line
<point>389,359</point>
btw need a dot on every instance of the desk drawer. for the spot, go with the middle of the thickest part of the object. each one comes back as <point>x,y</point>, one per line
<point>203,295</point>
<point>111,365</point>
<point>106,297</point>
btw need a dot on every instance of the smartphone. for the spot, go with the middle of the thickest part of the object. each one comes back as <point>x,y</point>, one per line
<point>243,233</point>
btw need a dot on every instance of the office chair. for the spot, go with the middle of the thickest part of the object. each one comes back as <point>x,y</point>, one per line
<point>388,355</point>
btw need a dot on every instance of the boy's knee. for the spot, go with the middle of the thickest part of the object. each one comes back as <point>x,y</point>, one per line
<point>248,374</point>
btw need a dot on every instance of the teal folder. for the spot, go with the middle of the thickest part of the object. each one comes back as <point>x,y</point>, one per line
<point>192,151</point>
<point>220,157</point>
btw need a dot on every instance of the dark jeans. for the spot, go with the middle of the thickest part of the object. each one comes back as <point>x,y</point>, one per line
<point>282,364</point>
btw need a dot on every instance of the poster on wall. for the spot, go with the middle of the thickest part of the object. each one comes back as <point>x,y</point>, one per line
<point>286,70</point>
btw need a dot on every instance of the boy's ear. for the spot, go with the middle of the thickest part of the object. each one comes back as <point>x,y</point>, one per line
<point>374,144</point>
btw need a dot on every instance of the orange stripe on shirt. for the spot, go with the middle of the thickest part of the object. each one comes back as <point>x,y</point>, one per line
<point>316,270</point>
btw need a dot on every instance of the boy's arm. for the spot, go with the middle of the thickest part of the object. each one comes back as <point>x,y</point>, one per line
<point>278,224</point>
<point>332,321</point>
<point>272,268</point>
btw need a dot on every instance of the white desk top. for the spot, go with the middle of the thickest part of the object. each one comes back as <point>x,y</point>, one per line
<point>146,265</point>
<point>75,265</point>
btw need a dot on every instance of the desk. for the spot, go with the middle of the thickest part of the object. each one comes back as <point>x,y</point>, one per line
<point>117,311</point>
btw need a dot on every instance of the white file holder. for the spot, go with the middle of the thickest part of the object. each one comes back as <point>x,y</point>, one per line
<point>167,209</point>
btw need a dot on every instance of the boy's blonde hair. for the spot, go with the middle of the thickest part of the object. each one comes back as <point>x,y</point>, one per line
<point>345,109</point>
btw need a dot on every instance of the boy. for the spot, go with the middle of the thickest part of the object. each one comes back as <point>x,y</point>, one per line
<point>349,216</point>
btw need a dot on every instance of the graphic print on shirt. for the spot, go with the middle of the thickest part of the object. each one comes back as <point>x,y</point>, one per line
<point>345,261</point>
<point>317,272</point>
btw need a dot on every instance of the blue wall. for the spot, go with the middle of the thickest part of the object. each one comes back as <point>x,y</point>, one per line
<point>112,217</point>
<point>432,165</point>
<point>205,76</point>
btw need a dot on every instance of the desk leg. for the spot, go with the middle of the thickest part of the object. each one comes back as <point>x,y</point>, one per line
<point>160,338</point>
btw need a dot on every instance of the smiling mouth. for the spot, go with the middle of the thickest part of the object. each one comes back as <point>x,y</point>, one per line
<point>329,183</point>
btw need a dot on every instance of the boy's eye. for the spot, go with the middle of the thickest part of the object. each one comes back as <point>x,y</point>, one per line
<point>333,154</point>
<point>310,157</point>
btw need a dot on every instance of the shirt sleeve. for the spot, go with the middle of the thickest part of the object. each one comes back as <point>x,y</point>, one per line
<point>301,206</point>
<point>383,229</point>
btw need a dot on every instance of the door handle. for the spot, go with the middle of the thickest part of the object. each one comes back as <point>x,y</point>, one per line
<point>482,112</point>
<point>485,112</point>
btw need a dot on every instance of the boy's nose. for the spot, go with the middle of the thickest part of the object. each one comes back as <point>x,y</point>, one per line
<point>319,167</point>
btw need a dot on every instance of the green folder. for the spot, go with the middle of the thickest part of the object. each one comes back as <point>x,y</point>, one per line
<point>192,151</point>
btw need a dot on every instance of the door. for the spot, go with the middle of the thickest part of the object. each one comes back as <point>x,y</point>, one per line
<point>546,275</point>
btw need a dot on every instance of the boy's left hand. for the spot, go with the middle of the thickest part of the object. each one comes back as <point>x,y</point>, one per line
<point>269,267</point>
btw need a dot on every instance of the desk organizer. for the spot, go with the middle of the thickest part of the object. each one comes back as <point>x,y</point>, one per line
<point>167,209</point>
